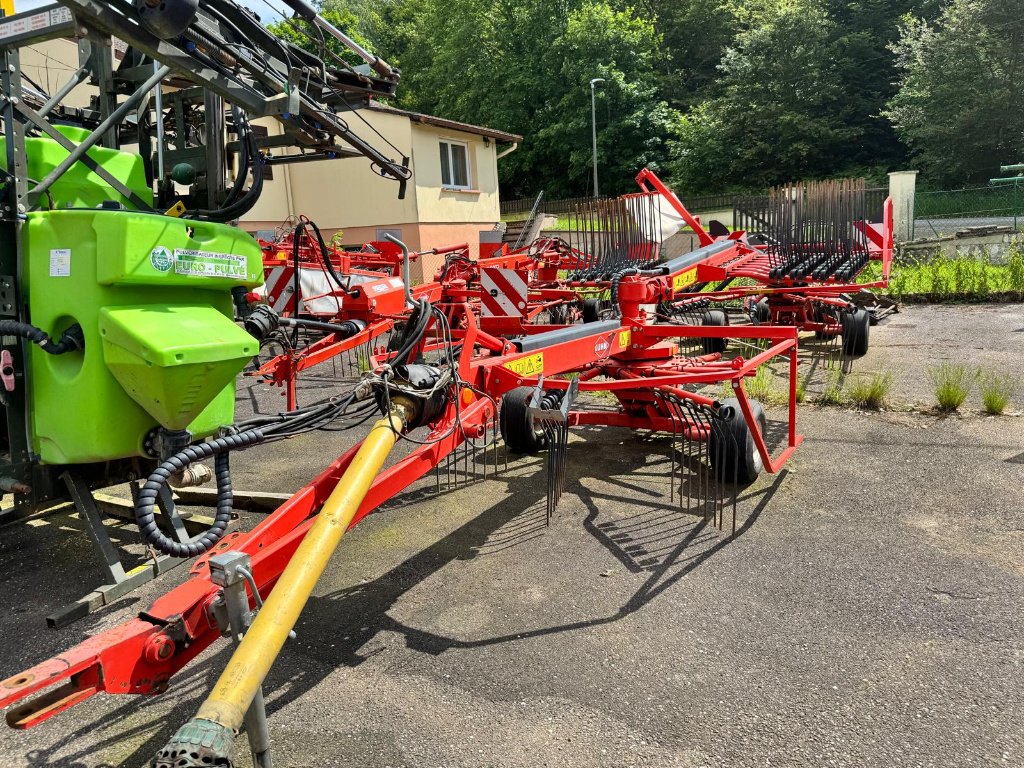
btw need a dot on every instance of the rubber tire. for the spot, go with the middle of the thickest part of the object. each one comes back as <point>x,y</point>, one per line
<point>714,317</point>
<point>761,313</point>
<point>856,332</point>
<point>514,422</point>
<point>819,316</point>
<point>738,457</point>
<point>591,310</point>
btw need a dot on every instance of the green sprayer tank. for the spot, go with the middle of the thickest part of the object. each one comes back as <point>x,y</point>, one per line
<point>153,296</point>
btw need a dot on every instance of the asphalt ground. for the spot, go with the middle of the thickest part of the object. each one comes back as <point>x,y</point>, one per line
<point>867,611</point>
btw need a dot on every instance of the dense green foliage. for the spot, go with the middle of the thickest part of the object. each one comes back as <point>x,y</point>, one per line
<point>716,94</point>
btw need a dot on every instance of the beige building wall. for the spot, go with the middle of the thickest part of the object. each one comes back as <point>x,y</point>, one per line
<point>347,196</point>
<point>437,204</point>
<point>51,64</point>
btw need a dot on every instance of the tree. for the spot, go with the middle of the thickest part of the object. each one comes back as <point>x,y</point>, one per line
<point>525,68</point>
<point>960,97</point>
<point>776,112</point>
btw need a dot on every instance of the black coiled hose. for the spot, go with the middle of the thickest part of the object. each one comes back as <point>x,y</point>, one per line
<point>144,508</point>
<point>70,340</point>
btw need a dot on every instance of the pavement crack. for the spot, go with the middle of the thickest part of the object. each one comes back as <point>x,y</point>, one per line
<point>947,595</point>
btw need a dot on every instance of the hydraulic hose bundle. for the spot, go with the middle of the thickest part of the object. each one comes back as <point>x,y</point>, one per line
<point>252,432</point>
<point>259,430</point>
<point>72,339</point>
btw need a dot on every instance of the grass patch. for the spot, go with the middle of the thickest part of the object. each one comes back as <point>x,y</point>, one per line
<point>951,383</point>
<point>869,390</point>
<point>761,386</point>
<point>801,388</point>
<point>832,394</point>
<point>960,278</point>
<point>996,391</point>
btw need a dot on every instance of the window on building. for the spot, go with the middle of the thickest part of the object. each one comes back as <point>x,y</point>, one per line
<point>454,165</point>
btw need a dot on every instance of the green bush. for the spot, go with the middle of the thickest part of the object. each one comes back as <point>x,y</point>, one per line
<point>832,394</point>
<point>869,391</point>
<point>1015,268</point>
<point>996,391</point>
<point>951,383</point>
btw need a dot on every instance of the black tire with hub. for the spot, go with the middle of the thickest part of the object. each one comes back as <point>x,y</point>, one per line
<point>514,422</point>
<point>734,456</point>
<point>714,317</point>
<point>856,330</point>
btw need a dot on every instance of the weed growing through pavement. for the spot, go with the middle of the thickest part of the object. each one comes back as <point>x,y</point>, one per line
<point>951,383</point>
<point>996,391</point>
<point>869,390</point>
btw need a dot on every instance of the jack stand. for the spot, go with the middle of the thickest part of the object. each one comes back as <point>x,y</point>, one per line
<point>119,581</point>
<point>231,571</point>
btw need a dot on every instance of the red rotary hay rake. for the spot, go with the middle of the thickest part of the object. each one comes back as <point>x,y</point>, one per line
<point>447,375</point>
<point>518,345</point>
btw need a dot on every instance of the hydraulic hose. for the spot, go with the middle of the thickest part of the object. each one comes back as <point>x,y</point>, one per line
<point>245,203</point>
<point>73,338</point>
<point>345,329</point>
<point>414,332</point>
<point>145,507</point>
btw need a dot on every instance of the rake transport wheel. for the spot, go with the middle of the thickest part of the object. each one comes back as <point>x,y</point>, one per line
<point>760,312</point>
<point>514,421</point>
<point>714,317</point>
<point>591,310</point>
<point>731,447</point>
<point>856,328</point>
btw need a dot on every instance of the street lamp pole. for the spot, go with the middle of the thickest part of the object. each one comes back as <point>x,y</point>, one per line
<point>593,126</point>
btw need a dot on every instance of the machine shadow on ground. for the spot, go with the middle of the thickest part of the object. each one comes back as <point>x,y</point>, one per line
<point>354,616</point>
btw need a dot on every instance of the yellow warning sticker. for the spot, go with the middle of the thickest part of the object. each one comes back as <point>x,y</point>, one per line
<point>177,210</point>
<point>689,277</point>
<point>530,365</point>
<point>624,339</point>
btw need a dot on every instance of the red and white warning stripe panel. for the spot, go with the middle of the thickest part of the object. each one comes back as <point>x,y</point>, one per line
<point>503,292</point>
<point>874,234</point>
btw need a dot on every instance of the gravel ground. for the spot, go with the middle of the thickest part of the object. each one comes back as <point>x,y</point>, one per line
<point>866,613</point>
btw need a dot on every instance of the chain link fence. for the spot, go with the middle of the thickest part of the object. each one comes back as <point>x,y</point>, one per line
<point>944,212</point>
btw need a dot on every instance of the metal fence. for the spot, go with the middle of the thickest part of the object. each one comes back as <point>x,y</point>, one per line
<point>554,207</point>
<point>946,211</point>
<point>571,204</point>
<point>749,211</point>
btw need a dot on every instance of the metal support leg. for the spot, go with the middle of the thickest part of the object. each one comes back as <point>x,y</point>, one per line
<point>86,506</point>
<point>226,571</point>
<point>118,581</point>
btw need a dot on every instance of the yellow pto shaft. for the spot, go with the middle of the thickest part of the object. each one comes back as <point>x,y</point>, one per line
<point>253,657</point>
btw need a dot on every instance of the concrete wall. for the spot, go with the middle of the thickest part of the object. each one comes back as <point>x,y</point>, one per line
<point>993,247</point>
<point>902,188</point>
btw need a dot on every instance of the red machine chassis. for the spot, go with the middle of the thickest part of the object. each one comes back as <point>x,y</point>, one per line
<point>141,655</point>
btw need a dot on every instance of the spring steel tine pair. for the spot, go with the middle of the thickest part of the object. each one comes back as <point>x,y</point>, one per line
<point>554,422</point>
<point>699,434</point>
